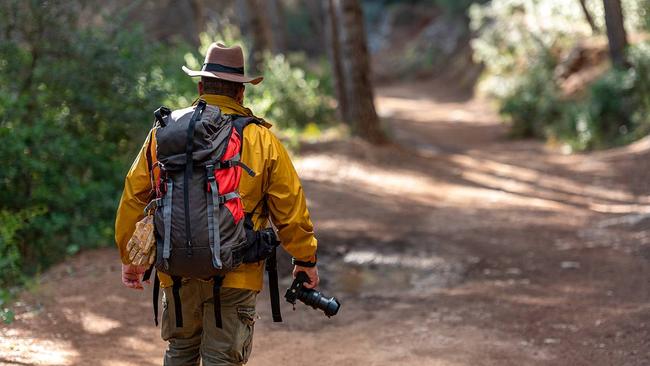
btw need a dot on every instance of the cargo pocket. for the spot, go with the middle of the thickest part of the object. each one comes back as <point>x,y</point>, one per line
<point>246,315</point>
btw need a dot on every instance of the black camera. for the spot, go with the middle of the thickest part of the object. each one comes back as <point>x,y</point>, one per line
<point>329,305</point>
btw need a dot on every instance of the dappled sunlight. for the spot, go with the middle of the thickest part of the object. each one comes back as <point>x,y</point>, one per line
<point>428,111</point>
<point>72,299</point>
<point>354,224</point>
<point>80,314</point>
<point>18,347</point>
<point>523,180</point>
<point>339,169</point>
<point>533,300</point>
<point>419,187</point>
<point>97,324</point>
<point>443,148</point>
<point>368,257</point>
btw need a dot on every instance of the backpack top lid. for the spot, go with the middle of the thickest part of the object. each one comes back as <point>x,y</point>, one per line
<point>211,135</point>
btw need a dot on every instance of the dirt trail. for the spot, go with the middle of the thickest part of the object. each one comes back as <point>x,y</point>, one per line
<point>455,246</point>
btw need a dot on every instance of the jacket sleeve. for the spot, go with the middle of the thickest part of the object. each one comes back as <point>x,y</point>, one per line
<point>137,188</point>
<point>288,206</point>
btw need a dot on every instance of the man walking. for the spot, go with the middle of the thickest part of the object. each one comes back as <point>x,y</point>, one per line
<point>275,188</point>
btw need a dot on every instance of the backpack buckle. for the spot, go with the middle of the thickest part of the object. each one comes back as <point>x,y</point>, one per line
<point>225,164</point>
<point>209,173</point>
<point>188,249</point>
<point>153,205</point>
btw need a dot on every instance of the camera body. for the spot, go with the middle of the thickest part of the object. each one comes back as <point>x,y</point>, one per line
<point>317,300</point>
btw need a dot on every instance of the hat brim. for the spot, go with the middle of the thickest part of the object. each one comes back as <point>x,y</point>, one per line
<point>224,76</point>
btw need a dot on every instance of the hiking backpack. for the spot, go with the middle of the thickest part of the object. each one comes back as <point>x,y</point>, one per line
<point>200,227</point>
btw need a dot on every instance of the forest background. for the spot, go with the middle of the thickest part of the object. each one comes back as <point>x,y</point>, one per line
<point>80,79</point>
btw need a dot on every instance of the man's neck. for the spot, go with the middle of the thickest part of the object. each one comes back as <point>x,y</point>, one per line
<point>227,104</point>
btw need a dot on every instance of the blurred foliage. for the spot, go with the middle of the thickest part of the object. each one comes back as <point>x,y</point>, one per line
<point>289,96</point>
<point>511,35</point>
<point>521,44</point>
<point>645,14</point>
<point>6,314</point>
<point>75,106</point>
<point>293,95</point>
<point>618,108</point>
<point>534,101</point>
<point>10,254</point>
<point>456,7</point>
<point>375,9</point>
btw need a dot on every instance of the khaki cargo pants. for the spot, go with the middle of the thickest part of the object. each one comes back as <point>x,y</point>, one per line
<point>199,338</point>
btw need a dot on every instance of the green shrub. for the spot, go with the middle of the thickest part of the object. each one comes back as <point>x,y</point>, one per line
<point>10,251</point>
<point>75,107</point>
<point>291,96</point>
<point>645,10</point>
<point>534,102</point>
<point>618,108</point>
<point>615,112</point>
<point>520,54</point>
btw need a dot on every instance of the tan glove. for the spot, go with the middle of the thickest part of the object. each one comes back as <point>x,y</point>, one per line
<point>141,248</point>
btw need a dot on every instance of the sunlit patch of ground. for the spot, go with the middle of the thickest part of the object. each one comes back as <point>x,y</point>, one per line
<point>24,348</point>
<point>454,247</point>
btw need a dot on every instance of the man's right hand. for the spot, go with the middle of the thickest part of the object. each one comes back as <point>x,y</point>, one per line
<point>312,273</point>
<point>132,276</point>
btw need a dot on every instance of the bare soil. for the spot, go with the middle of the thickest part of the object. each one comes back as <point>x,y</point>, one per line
<point>453,246</point>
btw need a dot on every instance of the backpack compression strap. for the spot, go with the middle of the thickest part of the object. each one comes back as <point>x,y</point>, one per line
<point>216,295</point>
<point>214,240</point>
<point>234,161</point>
<point>189,165</point>
<point>155,290</point>
<point>176,294</point>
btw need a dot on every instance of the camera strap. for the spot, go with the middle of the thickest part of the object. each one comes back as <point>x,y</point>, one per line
<point>274,289</point>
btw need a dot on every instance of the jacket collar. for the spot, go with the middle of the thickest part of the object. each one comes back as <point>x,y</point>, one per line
<point>229,105</point>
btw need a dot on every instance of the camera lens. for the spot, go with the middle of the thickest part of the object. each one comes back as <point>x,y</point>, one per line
<point>329,305</point>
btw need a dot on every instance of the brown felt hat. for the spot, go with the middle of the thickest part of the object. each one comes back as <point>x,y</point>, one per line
<point>226,63</point>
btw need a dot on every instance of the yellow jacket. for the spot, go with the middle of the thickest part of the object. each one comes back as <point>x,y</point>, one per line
<point>275,175</point>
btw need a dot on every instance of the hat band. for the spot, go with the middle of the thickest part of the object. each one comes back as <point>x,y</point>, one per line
<point>223,68</point>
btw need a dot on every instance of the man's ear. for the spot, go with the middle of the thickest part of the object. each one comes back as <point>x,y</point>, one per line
<point>200,86</point>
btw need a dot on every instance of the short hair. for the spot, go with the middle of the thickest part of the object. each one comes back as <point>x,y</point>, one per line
<point>221,87</point>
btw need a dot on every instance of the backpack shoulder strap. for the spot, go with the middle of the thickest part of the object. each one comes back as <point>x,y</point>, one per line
<point>240,122</point>
<point>160,115</point>
<point>161,119</point>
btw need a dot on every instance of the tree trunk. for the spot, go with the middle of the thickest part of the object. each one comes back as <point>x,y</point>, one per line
<point>588,17</point>
<point>615,32</point>
<point>257,30</point>
<point>198,8</point>
<point>316,13</point>
<point>356,73</point>
<point>277,22</point>
<point>333,41</point>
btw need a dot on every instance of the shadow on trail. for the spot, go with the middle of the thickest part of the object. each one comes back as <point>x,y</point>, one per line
<point>452,246</point>
<point>81,314</point>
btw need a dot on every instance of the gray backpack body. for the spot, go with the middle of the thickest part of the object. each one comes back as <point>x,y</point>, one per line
<point>198,235</point>
<point>200,227</point>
